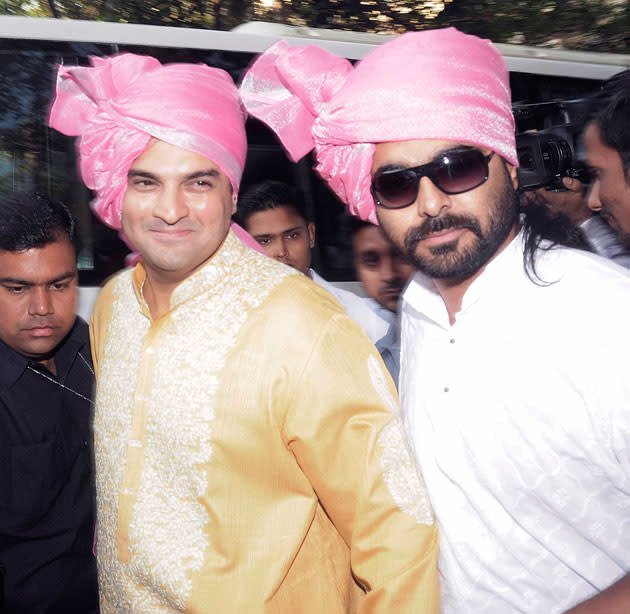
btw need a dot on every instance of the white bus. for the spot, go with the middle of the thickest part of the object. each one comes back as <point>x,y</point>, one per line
<point>33,157</point>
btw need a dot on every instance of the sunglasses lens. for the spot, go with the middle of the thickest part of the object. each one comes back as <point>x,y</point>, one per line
<point>460,172</point>
<point>396,188</point>
<point>452,173</point>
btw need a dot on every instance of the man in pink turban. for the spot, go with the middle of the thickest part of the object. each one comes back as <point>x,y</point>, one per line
<point>249,449</point>
<point>523,443</point>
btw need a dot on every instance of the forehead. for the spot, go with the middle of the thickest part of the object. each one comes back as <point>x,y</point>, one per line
<point>164,159</point>
<point>412,153</point>
<point>272,221</point>
<point>597,153</point>
<point>39,264</point>
<point>370,238</point>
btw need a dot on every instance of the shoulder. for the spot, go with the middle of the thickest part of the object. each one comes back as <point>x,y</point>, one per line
<point>585,293</point>
<point>80,329</point>
<point>585,273</point>
<point>123,280</point>
<point>298,292</point>
<point>374,320</point>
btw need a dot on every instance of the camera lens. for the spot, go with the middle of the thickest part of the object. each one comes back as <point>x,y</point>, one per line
<point>557,156</point>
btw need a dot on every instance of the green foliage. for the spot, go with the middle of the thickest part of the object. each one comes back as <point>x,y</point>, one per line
<point>594,25</point>
<point>600,25</point>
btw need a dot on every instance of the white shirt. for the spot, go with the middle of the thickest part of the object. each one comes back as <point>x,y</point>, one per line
<point>519,414</point>
<point>373,318</point>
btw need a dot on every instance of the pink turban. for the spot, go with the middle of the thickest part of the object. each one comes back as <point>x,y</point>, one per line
<point>435,84</point>
<point>120,102</point>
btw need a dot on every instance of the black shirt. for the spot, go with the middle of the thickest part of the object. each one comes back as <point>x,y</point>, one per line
<point>46,481</point>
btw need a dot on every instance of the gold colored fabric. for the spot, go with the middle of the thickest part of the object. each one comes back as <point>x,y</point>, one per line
<point>249,452</point>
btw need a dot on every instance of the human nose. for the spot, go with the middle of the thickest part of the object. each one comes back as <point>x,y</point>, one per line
<point>171,205</point>
<point>592,198</point>
<point>279,249</point>
<point>40,302</point>
<point>430,200</point>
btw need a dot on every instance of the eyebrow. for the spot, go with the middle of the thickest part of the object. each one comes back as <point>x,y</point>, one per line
<point>139,173</point>
<point>282,232</point>
<point>23,282</point>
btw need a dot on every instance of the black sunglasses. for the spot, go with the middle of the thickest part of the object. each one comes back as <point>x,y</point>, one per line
<point>452,172</point>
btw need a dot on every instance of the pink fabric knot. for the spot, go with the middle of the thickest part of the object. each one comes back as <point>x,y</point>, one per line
<point>436,84</point>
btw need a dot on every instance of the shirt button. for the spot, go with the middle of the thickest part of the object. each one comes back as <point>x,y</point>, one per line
<point>150,349</point>
<point>452,340</point>
<point>85,443</point>
<point>446,388</point>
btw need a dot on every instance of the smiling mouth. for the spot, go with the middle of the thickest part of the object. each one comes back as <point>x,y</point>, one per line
<point>171,235</point>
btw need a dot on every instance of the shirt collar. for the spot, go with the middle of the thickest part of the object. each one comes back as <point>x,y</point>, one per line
<point>422,295</point>
<point>211,277</point>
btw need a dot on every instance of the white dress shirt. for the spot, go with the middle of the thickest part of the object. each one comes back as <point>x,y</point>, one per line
<point>373,318</point>
<point>519,414</point>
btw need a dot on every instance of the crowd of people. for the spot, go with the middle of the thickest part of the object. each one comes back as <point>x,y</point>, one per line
<point>236,434</point>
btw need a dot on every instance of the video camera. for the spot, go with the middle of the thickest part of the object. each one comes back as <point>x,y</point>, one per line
<point>547,143</point>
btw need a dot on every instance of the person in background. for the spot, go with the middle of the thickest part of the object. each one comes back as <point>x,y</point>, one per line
<point>607,146</point>
<point>46,378</point>
<point>249,450</point>
<point>599,237</point>
<point>274,213</point>
<point>383,272</point>
<point>518,410</point>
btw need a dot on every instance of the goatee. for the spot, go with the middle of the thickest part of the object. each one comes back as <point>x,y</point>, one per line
<point>447,260</point>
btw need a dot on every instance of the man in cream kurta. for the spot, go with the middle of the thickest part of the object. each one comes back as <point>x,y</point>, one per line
<point>249,449</point>
<point>261,445</point>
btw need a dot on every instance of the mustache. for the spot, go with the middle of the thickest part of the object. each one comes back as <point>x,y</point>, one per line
<point>438,224</point>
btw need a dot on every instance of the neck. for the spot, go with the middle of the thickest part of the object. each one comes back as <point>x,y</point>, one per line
<point>157,293</point>
<point>49,363</point>
<point>452,291</point>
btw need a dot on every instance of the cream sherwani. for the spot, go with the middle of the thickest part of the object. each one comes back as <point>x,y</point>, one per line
<point>249,452</point>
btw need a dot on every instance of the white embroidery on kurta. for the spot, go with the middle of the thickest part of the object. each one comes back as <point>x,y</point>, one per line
<point>118,370</point>
<point>168,527</point>
<point>399,471</point>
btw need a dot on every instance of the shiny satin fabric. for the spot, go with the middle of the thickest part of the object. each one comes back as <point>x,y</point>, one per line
<point>437,84</point>
<point>119,103</point>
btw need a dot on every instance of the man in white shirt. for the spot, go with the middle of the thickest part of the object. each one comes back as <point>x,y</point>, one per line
<point>518,409</point>
<point>274,213</point>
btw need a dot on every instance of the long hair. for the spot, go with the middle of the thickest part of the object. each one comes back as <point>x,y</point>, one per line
<point>544,231</point>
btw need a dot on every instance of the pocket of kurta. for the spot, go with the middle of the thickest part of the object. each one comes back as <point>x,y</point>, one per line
<point>36,478</point>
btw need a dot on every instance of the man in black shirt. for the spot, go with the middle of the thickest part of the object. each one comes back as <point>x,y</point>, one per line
<point>46,378</point>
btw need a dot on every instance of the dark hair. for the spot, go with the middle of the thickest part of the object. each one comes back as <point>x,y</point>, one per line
<point>544,231</point>
<point>269,195</point>
<point>609,109</point>
<point>355,224</point>
<point>30,221</point>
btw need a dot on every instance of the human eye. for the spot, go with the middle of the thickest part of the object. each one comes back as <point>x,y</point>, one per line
<point>370,260</point>
<point>60,285</point>
<point>143,184</point>
<point>295,234</point>
<point>201,184</point>
<point>14,288</point>
<point>264,241</point>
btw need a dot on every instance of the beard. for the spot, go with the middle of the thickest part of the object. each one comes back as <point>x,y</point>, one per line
<point>446,261</point>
